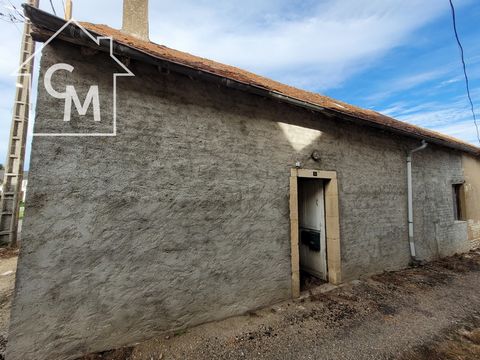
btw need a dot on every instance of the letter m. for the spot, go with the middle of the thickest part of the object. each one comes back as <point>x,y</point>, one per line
<point>92,97</point>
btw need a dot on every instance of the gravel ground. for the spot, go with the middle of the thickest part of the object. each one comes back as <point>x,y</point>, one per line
<point>8,267</point>
<point>427,312</point>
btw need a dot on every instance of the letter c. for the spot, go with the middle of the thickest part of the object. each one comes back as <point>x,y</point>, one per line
<point>48,80</point>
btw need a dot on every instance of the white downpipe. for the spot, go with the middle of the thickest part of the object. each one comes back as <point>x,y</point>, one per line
<point>410,198</point>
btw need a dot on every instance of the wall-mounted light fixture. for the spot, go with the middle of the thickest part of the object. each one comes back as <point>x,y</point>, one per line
<point>316,156</point>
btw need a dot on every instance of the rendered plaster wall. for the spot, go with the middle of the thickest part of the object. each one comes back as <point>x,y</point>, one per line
<point>471,167</point>
<point>183,217</point>
<point>436,231</point>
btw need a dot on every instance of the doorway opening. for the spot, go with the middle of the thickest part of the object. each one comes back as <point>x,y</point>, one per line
<point>312,236</point>
<point>315,229</point>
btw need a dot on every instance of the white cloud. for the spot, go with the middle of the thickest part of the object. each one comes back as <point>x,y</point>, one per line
<point>452,118</point>
<point>461,130</point>
<point>307,43</point>
<point>408,82</point>
<point>437,78</point>
<point>318,49</point>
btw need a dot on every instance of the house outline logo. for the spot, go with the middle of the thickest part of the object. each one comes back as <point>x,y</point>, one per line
<point>70,93</point>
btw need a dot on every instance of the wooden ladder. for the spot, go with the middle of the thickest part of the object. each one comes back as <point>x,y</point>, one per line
<point>13,177</point>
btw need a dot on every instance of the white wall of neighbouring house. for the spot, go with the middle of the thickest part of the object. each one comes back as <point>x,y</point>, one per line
<point>471,168</point>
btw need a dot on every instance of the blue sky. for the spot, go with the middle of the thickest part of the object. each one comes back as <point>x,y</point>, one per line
<point>398,57</point>
<point>422,82</point>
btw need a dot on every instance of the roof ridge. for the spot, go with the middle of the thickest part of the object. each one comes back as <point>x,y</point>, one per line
<point>246,77</point>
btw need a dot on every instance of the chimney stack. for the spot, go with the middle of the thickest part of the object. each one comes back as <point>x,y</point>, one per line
<point>135,18</point>
<point>68,10</point>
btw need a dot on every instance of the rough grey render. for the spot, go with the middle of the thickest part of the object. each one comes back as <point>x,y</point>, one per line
<point>183,217</point>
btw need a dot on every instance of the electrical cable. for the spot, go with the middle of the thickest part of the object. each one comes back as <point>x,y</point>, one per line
<point>467,83</point>
<point>53,8</point>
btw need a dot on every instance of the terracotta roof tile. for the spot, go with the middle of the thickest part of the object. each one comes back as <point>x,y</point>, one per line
<point>233,73</point>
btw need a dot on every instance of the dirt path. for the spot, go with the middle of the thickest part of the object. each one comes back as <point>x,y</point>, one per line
<point>8,267</point>
<point>430,312</point>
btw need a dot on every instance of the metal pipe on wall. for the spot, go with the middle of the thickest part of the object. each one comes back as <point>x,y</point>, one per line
<point>411,238</point>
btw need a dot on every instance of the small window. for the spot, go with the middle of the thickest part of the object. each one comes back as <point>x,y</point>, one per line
<point>458,202</point>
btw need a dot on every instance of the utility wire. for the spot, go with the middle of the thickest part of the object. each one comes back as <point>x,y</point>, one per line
<point>12,15</point>
<point>464,69</point>
<point>9,19</point>
<point>17,12</point>
<point>53,8</point>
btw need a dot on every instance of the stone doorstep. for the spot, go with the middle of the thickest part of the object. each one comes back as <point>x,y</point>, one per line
<point>321,289</point>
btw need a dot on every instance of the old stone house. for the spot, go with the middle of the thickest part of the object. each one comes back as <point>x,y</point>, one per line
<point>217,188</point>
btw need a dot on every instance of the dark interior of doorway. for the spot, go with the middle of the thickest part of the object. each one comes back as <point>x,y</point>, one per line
<point>309,281</point>
<point>309,230</point>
